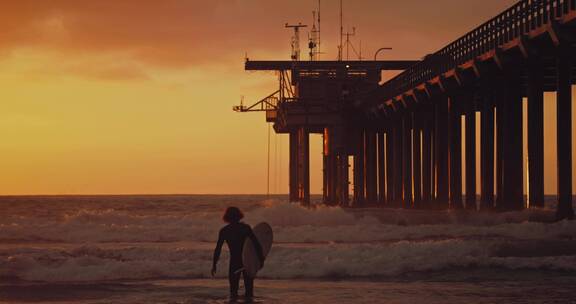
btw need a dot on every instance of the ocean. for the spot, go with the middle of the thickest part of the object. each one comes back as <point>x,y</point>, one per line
<point>158,249</point>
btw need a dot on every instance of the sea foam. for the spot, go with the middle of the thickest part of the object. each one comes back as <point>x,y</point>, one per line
<point>323,242</point>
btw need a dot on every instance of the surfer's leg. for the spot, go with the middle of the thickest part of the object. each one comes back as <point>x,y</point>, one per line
<point>248,285</point>
<point>234,280</point>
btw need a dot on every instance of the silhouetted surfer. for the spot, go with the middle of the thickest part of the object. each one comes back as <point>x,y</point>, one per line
<point>235,233</point>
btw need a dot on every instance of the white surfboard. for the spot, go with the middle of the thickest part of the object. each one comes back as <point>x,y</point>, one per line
<point>263,233</point>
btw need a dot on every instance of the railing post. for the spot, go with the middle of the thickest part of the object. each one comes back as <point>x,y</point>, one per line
<point>551,11</point>
<point>533,18</point>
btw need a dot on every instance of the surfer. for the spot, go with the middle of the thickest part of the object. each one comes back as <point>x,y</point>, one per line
<point>235,233</point>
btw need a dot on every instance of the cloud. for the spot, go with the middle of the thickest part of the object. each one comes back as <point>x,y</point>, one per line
<point>172,32</point>
<point>123,72</point>
<point>33,64</point>
<point>182,33</point>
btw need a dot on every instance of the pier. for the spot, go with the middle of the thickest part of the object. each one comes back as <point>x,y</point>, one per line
<point>403,138</point>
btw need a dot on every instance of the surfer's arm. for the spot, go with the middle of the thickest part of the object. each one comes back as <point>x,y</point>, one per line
<point>218,249</point>
<point>257,246</point>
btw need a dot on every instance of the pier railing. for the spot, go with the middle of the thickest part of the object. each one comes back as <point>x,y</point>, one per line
<point>511,24</point>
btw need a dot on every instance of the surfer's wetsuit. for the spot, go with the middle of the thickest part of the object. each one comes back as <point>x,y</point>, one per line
<point>235,234</point>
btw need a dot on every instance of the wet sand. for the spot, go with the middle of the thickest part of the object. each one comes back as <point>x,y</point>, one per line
<point>508,288</point>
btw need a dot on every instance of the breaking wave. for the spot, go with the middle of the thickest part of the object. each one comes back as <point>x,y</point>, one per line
<point>111,244</point>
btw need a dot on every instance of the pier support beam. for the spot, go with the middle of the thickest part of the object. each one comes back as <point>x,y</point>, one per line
<point>293,164</point>
<point>359,187</point>
<point>441,132</point>
<point>500,126</point>
<point>371,166</point>
<point>433,177</point>
<point>417,159</point>
<point>564,133</point>
<point>426,158</point>
<point>535,133</point>
<point>470,155</point>
<point>335,157</point>
<point>330,171</point>
<point>326,177</point>
<point>390,176</point>
<point>487,152</point>
<point>334,180</point>
<point>340,150</point>
<point>303,166</point>
<point>398,163</point>
<point>381,168</point>
<point>407,168</point>
<point>342,166</point>
<point>455,154</point>
<point>512,156</point>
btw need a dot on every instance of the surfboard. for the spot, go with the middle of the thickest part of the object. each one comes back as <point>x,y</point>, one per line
<point>263,233</point>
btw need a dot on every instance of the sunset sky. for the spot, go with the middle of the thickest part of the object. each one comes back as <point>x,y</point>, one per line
<point>136,96</point>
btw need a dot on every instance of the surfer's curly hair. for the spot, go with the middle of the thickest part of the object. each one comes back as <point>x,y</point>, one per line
<point>232,215</point>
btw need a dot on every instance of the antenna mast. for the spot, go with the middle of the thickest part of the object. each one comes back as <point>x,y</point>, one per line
<point>341,34</point>
<point>313,40</point>
<point>295,40</point>
<point>319,40</point>
<point>348,34</point>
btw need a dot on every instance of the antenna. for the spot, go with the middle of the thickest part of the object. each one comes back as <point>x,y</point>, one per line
<point>313,41</point>
<point>295,43</point>
<point>348,34</point>
<point>319,50</point>
<point>314,36</point>
<point>341,34</point>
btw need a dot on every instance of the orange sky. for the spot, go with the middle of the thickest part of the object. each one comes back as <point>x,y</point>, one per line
<point>135,96</point>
